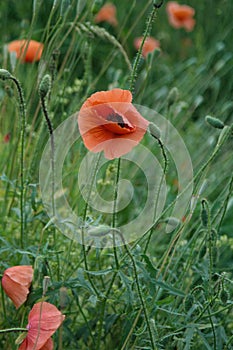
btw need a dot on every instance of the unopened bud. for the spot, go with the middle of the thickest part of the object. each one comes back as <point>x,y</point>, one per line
<point>154,130</point>
<point>224,296</point>
<point>46,283</point>
<point>4,74</point>
<point>172,96</point>
<point>204,213</point>
<point>215,122</point>
<point>45,86</point>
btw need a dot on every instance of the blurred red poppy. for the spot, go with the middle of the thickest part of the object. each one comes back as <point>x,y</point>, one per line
<point>181,16</point>
<point>149,46</point>
<point>109,122</point>
<point>43,321</point>
<point>16,281</point>
<point>107,14</point>
<point>26,51</point>
<point>7,137</point>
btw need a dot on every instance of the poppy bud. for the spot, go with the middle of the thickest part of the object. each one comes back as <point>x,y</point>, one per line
<point>4,74</point>
<point>215,122</point>
<point>224,296</point>
<point>172,96</point>
<point>45,86</point>
<point>46,283</point>
<point>154,130</point>
<point>204,213</point>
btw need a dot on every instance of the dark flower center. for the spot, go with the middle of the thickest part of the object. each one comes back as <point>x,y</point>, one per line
<point>117,118</point>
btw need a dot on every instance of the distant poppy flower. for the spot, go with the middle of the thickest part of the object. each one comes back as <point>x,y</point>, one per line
<point>109,122</point>
<point>180,16</point>
<point>107,14</point>
<point>43,321</point>
<point>26,51</point>
<point>7,137</point>
<point>16,281</point>
<point>149,46</point>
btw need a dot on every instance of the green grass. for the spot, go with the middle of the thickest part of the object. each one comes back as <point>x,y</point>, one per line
<point>164,290</point>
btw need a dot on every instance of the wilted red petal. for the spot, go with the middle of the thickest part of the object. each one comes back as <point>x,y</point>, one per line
<point>26,51</point>
<point>44,319</point>
<point>16,281</point>
<point>112,125</point>
<point>107,14</point>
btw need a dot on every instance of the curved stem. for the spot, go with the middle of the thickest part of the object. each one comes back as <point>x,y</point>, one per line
<point>52,144</point>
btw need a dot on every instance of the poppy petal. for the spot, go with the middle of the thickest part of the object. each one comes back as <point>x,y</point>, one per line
<point>26,51</point>
<point>16,281</point>
<point>114,127</point>
<point>44,319</point>
<point>114,95</point>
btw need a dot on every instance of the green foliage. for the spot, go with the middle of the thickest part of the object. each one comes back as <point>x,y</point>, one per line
<point>165,290</point>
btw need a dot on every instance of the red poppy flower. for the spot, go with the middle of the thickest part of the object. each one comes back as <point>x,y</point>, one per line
<point>107,14</point>
<point>180,16</point>
<point>43,321</point>
<point>7,138</point>
<point>109,122</point>
<point>26,51</point>
<point>16,281</point>
<point>149,46</point>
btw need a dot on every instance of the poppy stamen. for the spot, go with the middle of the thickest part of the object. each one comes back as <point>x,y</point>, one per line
<point>117,118</point>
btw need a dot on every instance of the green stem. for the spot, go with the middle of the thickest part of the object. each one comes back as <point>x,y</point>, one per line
<point>139,53</point>
<point>141,298</point>
<point>17,329</point>
<point>84,221</point>
<point>114,217</point>
<point>165,166</point>
<point>22,137</point>
<point>52,144</point>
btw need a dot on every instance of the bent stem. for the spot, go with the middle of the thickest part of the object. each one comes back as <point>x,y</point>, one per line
<point>165,166</point>
<point>52,144</point>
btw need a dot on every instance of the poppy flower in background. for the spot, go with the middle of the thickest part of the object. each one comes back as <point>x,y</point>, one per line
<point>109,122</point>
<point>43,321</point>
<point>149,45</point>
<point>26,51</point>
<point>7,137</point>
<point>180,16</point>
<point>107,14</point>
<point>16,282</point>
